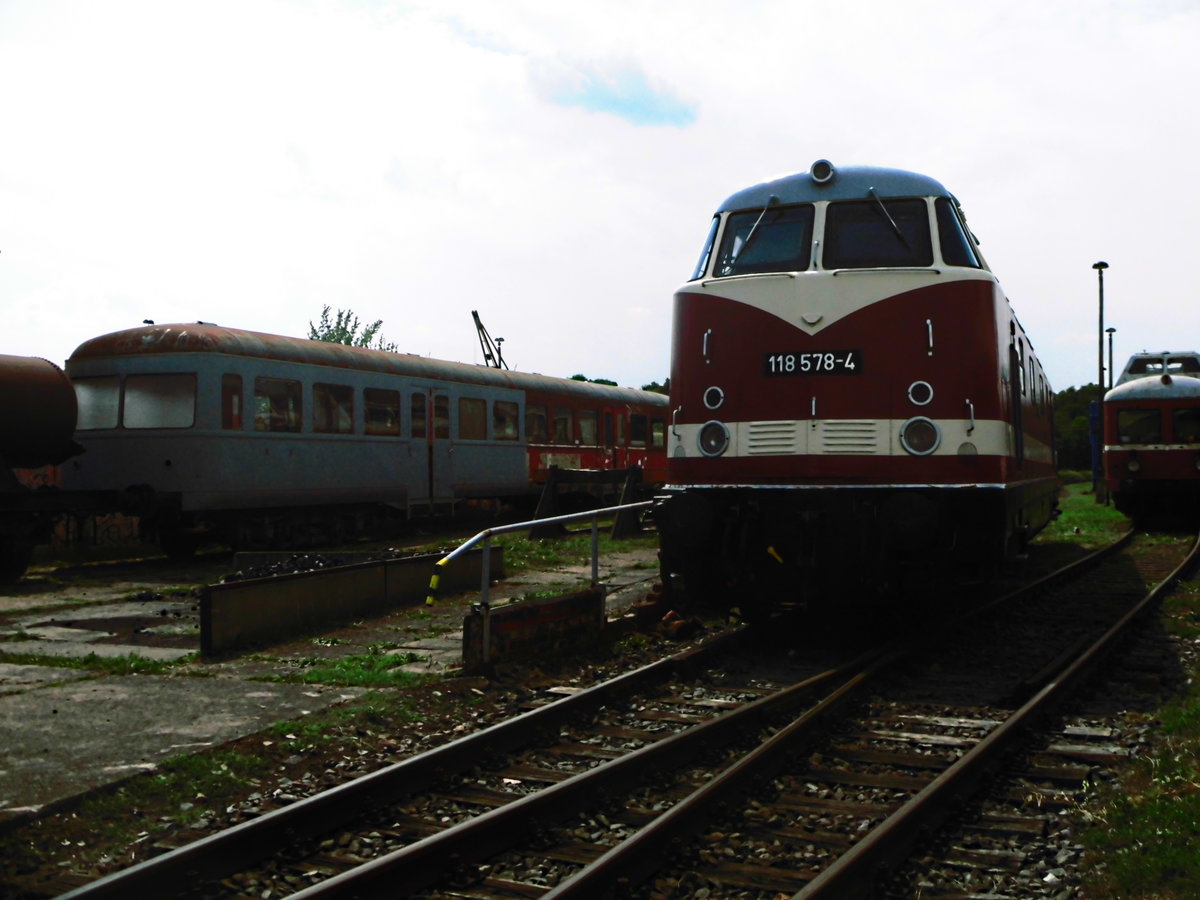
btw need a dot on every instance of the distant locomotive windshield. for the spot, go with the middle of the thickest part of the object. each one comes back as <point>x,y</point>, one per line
<point>877,233</point>
<point>767,240</point>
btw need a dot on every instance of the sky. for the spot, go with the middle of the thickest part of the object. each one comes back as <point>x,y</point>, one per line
<point>554,165</point>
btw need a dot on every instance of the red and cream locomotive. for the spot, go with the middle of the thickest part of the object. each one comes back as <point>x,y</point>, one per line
<point>1152,435</point>
<point>852,396</point>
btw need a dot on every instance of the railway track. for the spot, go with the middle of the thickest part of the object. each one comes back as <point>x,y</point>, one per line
<point>712,770</point>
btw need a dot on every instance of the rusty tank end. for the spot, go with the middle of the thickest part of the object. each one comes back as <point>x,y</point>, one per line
<point>37,409</point>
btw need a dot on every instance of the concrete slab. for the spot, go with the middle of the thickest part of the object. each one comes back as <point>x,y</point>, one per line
<point>16,678</point>
<point>80,650</point>
<point>65,731</point>
<point>119,726</point>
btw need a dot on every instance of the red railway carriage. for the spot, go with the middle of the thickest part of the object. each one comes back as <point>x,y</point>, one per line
<point>1152,435</point>
<point>267,440</point>
<point>851,392</point>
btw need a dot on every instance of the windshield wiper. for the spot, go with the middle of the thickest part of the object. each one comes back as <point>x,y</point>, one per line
<point>753,232</point>
<point>888,216</point>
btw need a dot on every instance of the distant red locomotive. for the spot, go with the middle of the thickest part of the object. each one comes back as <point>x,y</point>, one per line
<point>852,396</point>
<point>261,440</point>
<point>1152,436</point>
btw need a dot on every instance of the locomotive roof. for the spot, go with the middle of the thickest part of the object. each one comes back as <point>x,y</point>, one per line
<point>1155,387</point>
<point>1170,362</point>
<point>849,183</point>
<point>202,338</point>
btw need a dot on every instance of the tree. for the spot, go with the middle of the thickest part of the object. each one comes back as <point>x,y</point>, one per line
<point>655,388</point>
<point>344,330</point>
<point>1072,426</point>
<point>593,380</point>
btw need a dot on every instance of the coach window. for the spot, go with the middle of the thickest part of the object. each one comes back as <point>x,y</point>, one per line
<point>658,433</point>
<point>381,411</point>
<point>417,413</point>
<point>231,402</point>
<point>562,425</point>
<point>99,400</point>
<point>1139,426</point>
<point>1187,425</point>
<point>767,239</point>
<point>877,233</point>
<point>505,420</point>
<point>956,249</point>
<point>535,424</point>
<point>441,417</point>
<point>587,427</point>
<point>472,419</point>
<point>333,409</point>
<point>277,405</point>
<point>637,430</point>
<point>160,401</point>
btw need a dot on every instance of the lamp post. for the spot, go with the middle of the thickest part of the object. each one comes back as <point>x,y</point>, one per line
<point>1097,479</point>
<point>1110,331</point>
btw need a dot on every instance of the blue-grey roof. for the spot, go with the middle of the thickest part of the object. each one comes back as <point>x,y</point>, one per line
<point>1152,387</point>
<point>848,183</point>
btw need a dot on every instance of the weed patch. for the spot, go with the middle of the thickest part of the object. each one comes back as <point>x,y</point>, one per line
<point>102,665</point>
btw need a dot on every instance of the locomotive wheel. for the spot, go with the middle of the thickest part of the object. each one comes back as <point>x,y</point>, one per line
<point>15,556</point>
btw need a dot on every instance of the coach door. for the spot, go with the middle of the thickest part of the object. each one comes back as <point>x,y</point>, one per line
<point>613,429</point>
<point>430,415</point>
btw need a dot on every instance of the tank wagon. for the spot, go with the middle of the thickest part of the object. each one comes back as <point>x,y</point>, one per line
<point>1152,435</point>
<point>260,440</point>
<point>852,397</point>
<point>37,405</point>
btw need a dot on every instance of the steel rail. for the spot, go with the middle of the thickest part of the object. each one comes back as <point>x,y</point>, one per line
<point>855,872</point>
<point>419,864</point>
<point>641,855</point>
<point>247,843</point>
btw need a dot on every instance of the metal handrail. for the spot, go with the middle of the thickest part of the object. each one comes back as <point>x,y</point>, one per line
<point>486,535</point>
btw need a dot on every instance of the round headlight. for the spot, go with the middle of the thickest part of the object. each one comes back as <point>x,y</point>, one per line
<point>1134,465</point>
<point>714,397</point>
<point>920,436</point>
<point>714,438</point>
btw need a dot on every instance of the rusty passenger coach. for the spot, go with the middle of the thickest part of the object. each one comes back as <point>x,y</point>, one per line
<point>262,440</point>
<point>854,402</point>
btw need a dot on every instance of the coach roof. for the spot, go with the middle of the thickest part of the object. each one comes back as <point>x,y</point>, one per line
<point>203,338</point>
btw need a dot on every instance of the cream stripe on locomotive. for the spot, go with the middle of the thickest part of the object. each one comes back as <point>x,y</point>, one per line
<point>856,437</point>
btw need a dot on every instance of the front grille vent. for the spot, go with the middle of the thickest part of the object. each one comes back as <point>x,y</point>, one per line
<point>850,436</point>
<point>764,438</point>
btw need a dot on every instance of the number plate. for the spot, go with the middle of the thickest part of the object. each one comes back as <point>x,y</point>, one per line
<point>827,362</point>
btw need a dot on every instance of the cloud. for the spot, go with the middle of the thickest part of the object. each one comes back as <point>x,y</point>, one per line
<point>622,90</point>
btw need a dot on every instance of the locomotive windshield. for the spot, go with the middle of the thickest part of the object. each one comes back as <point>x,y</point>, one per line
<point>773,239</point>
<point>877,233</point>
